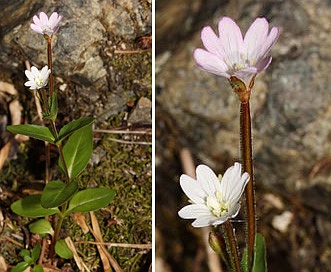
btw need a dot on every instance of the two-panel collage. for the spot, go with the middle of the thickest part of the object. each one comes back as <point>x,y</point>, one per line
<point>165,135</point>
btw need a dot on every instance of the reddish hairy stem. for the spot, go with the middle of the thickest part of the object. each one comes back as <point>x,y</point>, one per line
<point>232,246</point>
<point>246,149</point>
<point>50,66</point>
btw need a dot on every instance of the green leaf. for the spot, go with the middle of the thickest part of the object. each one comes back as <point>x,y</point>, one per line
<point>28,259</point>
<point>35,252</point>
<point>56,193</point>
<point>38,268</point>
<point>42,226</point>
<point>30,206</point>
<point>34,131</point>
<point>62,249</point>
<point>24,252</point>
<point>77,151</point>
<point>73,126</point>
<point>260,255</point>
<point>53,109</point>
<point>90,200</point>
<point>20,267</point>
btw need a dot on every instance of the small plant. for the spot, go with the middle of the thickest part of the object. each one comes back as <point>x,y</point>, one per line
<point>30,259</point>
<point>216,201</point>
<point>74,143</point>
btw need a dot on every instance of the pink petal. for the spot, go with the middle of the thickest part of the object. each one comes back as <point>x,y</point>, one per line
<point>43,18</point>
<point>263,64</point>
<point>245,74</point>
<point>36,20</point>
<point>256,37</point>
<point>36,28</point>
<point>270,42</point>
<point>210,63</point>
<point>211,41</point>
<point>52,20</point>
<point>231,39</point>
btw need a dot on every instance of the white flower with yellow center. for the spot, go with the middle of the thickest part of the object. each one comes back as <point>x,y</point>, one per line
<point>213,200</point>
<point>37,79</point>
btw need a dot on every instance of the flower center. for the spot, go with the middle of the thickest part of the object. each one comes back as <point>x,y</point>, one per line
<point>39,81</point>
<point>216,205</point>
<point>47,29</point>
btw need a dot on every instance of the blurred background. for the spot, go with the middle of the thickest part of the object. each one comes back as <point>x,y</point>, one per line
<point>291,114</point>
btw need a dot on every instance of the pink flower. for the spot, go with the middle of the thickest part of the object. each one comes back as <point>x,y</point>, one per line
<point>232,55</point>
<point>46,26</point>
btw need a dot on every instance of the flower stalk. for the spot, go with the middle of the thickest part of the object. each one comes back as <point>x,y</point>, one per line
<point>246,150</point>
<point>232,246</point>
<point>50,65</point>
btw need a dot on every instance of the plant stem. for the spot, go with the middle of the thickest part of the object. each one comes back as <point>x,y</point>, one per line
<point>246,149</point>
<point>232,246</point>
<point>59,147</point>
<point>50,66</point>
<point>58,226</point>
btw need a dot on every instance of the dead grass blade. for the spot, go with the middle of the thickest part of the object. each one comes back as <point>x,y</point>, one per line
<point>81,265</point>
<point>105,256</point>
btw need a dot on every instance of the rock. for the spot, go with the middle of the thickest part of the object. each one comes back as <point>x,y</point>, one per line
<point>141,114</point>
<point>83,49</point>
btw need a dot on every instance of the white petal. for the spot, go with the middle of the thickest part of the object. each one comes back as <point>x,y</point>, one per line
<point>233,183</point>
<point>192,189</point>
<point>234,210</point>
<point>219,220</point>
<point>29,75</point>
<point>203,221</point>
<point>210,63</point>
<point>194,211</point>
<point>208,180</point>
<point>35,71</point>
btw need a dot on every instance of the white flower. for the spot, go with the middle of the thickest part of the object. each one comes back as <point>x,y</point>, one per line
<point>213,200</point>
<point>46,26</point>
<point>37,79</point>
<point>229,54</point>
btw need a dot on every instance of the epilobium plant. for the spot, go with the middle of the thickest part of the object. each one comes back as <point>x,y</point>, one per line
<point>239,59</point>
<point>74,142</point>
